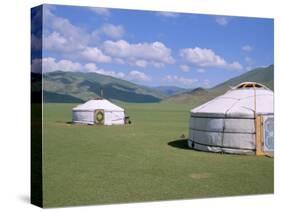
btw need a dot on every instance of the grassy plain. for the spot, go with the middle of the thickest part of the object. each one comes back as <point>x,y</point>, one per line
<point>145,161</point>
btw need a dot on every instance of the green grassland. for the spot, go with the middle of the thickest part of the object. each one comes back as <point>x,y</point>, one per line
<point>145,161</point>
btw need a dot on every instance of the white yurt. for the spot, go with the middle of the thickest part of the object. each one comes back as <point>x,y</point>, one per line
<point>228,122</point>
<point>98,111</point>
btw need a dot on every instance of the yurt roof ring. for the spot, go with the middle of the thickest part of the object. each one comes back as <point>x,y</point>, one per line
<point>249,85</point>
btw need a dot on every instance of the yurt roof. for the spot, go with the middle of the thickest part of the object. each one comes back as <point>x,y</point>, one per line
<point>241,101</point>
<point>248,85</point>
<point>94,104</point>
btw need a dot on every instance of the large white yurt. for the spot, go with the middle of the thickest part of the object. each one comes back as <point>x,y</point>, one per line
<point>98,111</point>
<point>228,122</point>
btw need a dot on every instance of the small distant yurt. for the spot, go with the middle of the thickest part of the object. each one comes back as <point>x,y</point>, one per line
<point>239,121</point>
<point>98,111</point>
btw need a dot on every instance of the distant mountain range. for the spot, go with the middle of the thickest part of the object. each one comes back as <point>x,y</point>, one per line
<point>199,95</point>
<point>170,90</point>
<point>195,96</point>
<point>77,87</point>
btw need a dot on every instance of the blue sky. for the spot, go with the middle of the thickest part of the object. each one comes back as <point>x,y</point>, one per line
<point>154,48</point>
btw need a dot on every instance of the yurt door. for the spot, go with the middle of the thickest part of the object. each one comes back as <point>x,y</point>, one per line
<point>268,134</point>
<point>99,116</point>
<point>264,135</point>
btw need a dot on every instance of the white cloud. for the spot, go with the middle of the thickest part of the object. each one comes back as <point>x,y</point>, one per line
<point>207,58</point>
<point>138,76</point>
<point>113,31</point>
<point>56,42</point>
<point>223,20</point>
<point>140,54</point>
<point>74,42</point>
<point>95,55</point>
<point>50,64</point>
<point>134,75</point>
<point>101,11</point>
<point>168,14</point>
<point>61,25</point>
<point>184,68</point>
<point>158,64</point>
<point>234,66</point>
<point>201,70</point>
<point>75,35</point>
<point>61,35</point>
<point>91,67</point>
<point>108,30</point>
<point>173,79</point>
<point>141,63</point>
<point>247,48</point>
<point>116,74</point>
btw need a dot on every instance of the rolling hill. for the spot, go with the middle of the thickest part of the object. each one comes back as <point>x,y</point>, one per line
<point>261,75</point>
<point>200,95</point>
<point>65,87</point>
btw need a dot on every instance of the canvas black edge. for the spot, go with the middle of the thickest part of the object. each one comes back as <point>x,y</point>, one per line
<point>36,184</point>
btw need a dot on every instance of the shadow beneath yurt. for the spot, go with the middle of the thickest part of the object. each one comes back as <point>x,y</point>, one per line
<point>180,143</point>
